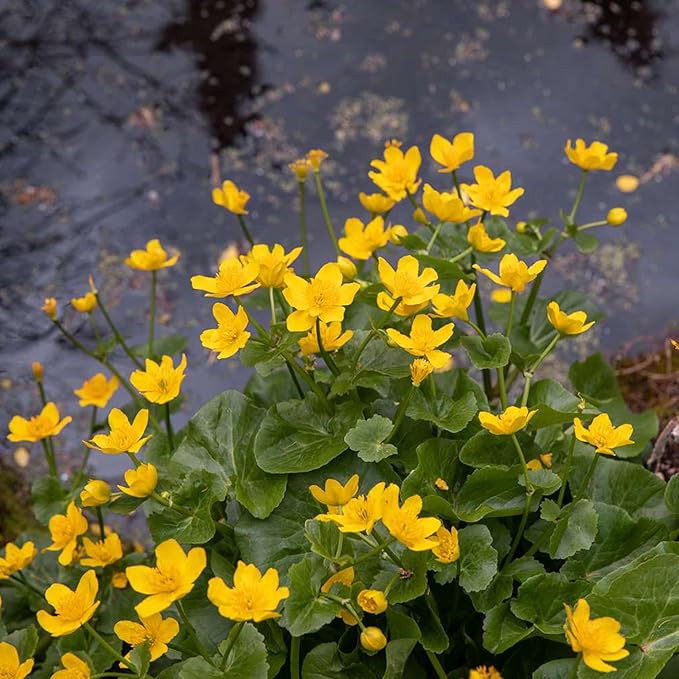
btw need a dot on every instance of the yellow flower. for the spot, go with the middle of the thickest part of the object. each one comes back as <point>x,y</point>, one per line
<point>478,238</point>
<point>119,580</point>
<point>627,183</point>
<point>95,493</point>
<point>253,596</point>
<point>72,608</point>
<point>599,640</point>
<point>592,157</point>
<point>617,216</point>
<point>85,304</point>
<point>372,601</point>
<point>231,198</point>
<point>347,267</point>
<point>386,302</point>
<point>361,240</point>
<point>404,522</point>
<point>420,369</point>
<point>16,559</point>
<point>65,529</point>
<point>359,514</point>
<point>124,437</point>
<point>446,207</point>
<point>452,154</point>
<point>10,665</point>
<point>233,278</point>
<point>102,553</point>
<point>323,297</point>
<point>455,305</point>
<point>315,157</point>
<point>373,639</point>
<point>50,307</point>
<point>155,630</point>
<point>447,549</point>
<point>160,382</point>
<point>300,168</point>
<point>406,282</point>
<point>273,263</point>
<point>567,324</point>
<point>344,577</point>
<point>396,175</point>
<point>332,338</point>
<point>396,233</point>
<point>441,484</point>
<point>484,672</point>
<point>521,227</point>
<point>420,217</point>
<point>492,194</point>
<point>97,391</point>
<point>514,273</point>
<point>37,370</point>
<point>173,577</point>
<point>603,435</point>
<point>74,668</point>
<point>510,421</point>
<point>153,258</point>
<point>230,335</point>
<point>376,203</point>
<point>501,295</point>
<point>543,461</point>
<point>141,482</point>
<point>423,340</point>
<point>334,494</point>
<point>38,427</point>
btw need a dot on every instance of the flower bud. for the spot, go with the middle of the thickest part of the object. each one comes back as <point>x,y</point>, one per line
<point>396,233</point>
<point>300,168</point>
<point>119,580</point>
<point>420,217</point>
<point>617,216</point>
<point>441,484</point>
<point>95,493</point>
<point>420,369</point>
<point>372,601</point>
<point>521,227</point>
<point>50,308</point>
<point>347,267</point>
<point>141,482</point>
<point>315,158</point>
<point>36,367</point>
<point>373,639</point>
<point>627,183</point>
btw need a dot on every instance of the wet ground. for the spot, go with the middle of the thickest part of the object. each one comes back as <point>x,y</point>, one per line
<point>117,117</point>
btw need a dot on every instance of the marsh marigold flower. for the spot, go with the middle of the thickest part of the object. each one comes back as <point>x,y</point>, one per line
<point>404,522</point>
<point>603,434</point>
<point>102,553</point>
<point>617,216</point>
<point>396,175</point>
<point>332,338</point>
<point>37,370</point>
<point>300,168</point>
<point>478,238</point>
<point>361,240</point>
<point>273,263</point>
<point>484,672</point>
<point>376,203</point>
<point>446,207</point>
<point>154,257</point>
<point>406,282</point>
<point>598,639</point>
<point>50,307</point>
<point>38,427</point>
<point>230,335</point>
<point>514,273</point>
<point>592,157</point>
<point>172,578</point>
<point>65,529</point>
<point>424,341</point>
<point>452,154</point>
<point>231,198</point>
<point>141,481</point>
<point>74,668</point>
<point>324,297</point>
<point>160,382</point>
<point>95,493</point>
<point>385,302</point>
<point>234,277</point>
<point>16,559</point>
<point>397,233</point>
<point>253,596</point>
<point>420,369</point>
<point>543,461</point>
<point>457,304</point>
<point>490,193</point>
<point>72,608</point>
<point>359,514</point>
<point>11,666</point>
<point>373,639</point>
<point>372,601</point>
<point>155,630</point>
<point>124,436</point>
<point>510,421</point>
<point>347,267</point>
<point>97,391</point>
<point>567,324</point>
<point>447,549</point>
<point>335,494</point>
<point>315,157</point>
<point>85,304</point>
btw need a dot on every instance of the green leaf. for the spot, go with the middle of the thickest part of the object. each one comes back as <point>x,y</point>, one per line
<point>491,491</point>
<point>265,358</point>
<point>544,480</point>
<point>502,629</point>
<point>272,389</point>
<point>326,662</point>
<point>594,377</point>
<point>299,436</point>
<point>672,494</point>
<point>478,558</point>
<point>25,641</point>
<point>403,587</point>
<point>574,530</point>
<point>555,669</point>
<point>440,409</point>
<point>484,449</point>
<point>436,458</point>
<point>499,590</point>
<point>324,538</point>
<point>403,637</point>
<point>219,440</point>
<point>555,405</point>
<point>248,657</point>
<point>368,437</point>
<point>140,656</point>
<point>49,498</point>
<point>492,352</point>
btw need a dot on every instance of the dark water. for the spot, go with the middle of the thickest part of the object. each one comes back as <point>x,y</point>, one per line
<point>116,117</point>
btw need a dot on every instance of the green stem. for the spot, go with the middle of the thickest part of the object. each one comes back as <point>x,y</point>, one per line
<point>100,519</point>
<point>116,334</point>
<point>20,579</point>
<point>168,427</point>
<point>374,551</point>
<point>456,182</point>
<point>461,255</point>
<point>578,197</point>
<point>93,325</point>
<point>373,332</point>
<point>524,466</point>
<point>434,236</point>
<point>245,230</point>
<point>480,320</point>
<point>512,304</point>
<point>438,668</point>
<point>191,630</point>
<point>476,328</point>
<point>83,465</point>
<point>302,228</point>
<point>528,375</point>
<point>324,210</point>
<point>501,387</point>
<point>272,304</point>
<point>49,456</point>
<point>567,471</point>
<point>294,657</point>
<point>592,225</point>
<point>233,637</point>
<point>400,413</point>
<point>152,315</point>
<point>526,507</point>
<point>110,648</point>
<point>588,478</point>
<point>326,356</point>
<point>294,379</point>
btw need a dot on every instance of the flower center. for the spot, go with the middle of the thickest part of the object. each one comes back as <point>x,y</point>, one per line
<point>71,607</point>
